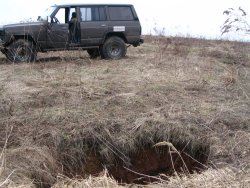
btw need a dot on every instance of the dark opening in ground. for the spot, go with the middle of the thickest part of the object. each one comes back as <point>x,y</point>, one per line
<point>146,166</point>
<point>141,159</point>
<point>149,164</point>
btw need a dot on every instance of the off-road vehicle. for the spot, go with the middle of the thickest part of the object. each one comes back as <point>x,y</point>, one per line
<point>104,30</point>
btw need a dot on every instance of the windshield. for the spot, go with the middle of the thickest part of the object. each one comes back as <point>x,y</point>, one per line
<point>46,14</point>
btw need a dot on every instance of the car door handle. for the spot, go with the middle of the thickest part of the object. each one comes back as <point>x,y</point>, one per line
<point>103,25</point>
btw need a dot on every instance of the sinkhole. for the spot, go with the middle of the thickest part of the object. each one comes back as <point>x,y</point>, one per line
<point>138,158</point>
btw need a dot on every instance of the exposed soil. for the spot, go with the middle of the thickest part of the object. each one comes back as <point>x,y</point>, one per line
<point>145,166</point>
<point>149,164</point>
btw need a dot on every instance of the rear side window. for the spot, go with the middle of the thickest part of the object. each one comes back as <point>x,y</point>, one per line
<point>92,14</point>
<point>85,14</point>
<point>102,13</point>
<point>117,13</point>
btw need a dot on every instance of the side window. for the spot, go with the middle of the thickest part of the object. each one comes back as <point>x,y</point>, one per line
<point>120,13</point>
<point>102,13</point>
<point>95,14</point>
<point>61,16</point>
<point>92,14</point>
<point>64,14</point>
<point>85,14</point>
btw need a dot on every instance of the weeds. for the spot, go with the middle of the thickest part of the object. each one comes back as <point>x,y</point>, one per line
<point>237,20</point>
<point>3,160</point>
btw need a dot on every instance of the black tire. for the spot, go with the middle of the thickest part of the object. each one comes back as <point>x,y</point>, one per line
<point>93,53</point>
<point>21,51</point>
<point>114,48</point>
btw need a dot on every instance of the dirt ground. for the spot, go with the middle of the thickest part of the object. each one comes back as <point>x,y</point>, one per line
<point>199,87</point>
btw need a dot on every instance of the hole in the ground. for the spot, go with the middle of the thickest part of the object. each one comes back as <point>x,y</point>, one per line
<point>138,161</point>
<point>148,164</point>
<point>143,167</point>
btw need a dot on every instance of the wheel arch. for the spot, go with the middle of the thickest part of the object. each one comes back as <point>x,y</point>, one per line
<point>117,34</point>
<point>25,37</point>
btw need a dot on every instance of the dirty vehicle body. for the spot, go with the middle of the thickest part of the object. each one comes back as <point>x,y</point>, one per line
<point>103,30</point>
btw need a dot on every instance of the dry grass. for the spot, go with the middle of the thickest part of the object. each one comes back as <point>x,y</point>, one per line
<point>198,86</point>
<point>220,178</point>
<point>91,182</point>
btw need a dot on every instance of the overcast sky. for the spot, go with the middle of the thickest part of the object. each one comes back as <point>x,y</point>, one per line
<point>200,18</point>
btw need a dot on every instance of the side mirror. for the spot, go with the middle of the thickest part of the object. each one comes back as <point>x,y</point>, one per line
<point>41,19</point>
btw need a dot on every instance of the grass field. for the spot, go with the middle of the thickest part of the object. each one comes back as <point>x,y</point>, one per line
<point>174,113</point>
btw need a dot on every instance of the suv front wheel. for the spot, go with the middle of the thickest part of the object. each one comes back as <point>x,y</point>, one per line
<point>114,48</point>
<point>21,51</point>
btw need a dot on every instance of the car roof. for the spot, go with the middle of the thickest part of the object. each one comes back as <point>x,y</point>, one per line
<point>92,4</point>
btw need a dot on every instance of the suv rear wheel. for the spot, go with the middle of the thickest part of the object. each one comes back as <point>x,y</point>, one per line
<point>114,48</point>
<point>21,51</point>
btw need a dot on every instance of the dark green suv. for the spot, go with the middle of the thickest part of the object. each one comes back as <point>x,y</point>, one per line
<point>103,30</point>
